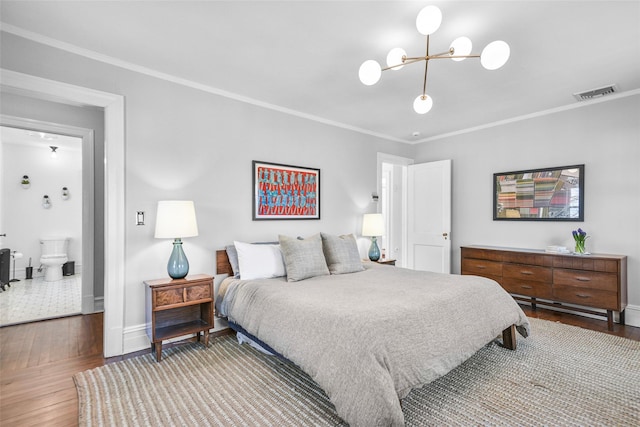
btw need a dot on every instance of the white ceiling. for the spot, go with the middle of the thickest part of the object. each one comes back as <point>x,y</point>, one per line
<point>44,140</point>
<point>303,56</point>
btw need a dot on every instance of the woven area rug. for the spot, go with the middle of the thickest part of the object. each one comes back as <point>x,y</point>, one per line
<point>561,375</point>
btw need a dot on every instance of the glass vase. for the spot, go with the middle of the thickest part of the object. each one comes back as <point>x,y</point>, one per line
<point>579,248</point>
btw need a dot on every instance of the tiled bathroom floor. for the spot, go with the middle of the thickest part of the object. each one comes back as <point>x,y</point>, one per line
<point>35,299</point>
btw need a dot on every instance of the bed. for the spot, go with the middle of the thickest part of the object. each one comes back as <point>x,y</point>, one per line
<point>369,336</point>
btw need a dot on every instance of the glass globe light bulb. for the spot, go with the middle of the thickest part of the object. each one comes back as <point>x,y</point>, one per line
<point>394,57</point>
<point>461,46</point>
<point>422,104</point>
<point>428,20</point>
<point>495,55</point>
<point>370,72</point>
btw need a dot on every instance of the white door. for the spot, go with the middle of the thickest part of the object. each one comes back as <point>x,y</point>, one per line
<point>429,217</point>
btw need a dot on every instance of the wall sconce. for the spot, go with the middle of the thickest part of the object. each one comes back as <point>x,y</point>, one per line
<point>65,193</point>
<point>54,155</point>
<point>46,203</point>
<point>25,182</point>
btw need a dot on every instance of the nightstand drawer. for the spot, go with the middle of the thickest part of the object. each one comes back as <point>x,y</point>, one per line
<point>198,292</point>
<point>586,296</point>
<point>169,296</point>
<point>586,279</point>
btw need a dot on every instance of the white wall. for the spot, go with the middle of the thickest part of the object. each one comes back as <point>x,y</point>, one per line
<point>183,143</point>
<point>24,219</point>
<point>603,136</point>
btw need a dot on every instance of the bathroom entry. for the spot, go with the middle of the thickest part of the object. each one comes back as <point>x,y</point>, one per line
<point>41,197</point>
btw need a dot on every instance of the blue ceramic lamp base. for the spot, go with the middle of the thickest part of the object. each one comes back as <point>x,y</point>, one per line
<point>178,266</point>
<point>374,251</point>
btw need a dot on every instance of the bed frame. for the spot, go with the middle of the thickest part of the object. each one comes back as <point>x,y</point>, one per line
<point>224,267</point>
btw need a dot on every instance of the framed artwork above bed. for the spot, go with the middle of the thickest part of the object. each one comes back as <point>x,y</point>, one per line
<point>285,192</point>
<point>548,194</point>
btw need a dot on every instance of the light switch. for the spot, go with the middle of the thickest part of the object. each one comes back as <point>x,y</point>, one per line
<point>140,218</point>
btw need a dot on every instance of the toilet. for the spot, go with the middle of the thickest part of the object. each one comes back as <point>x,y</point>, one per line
<point>53,254</point>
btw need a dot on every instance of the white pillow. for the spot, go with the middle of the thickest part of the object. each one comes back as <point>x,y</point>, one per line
<point>259,261</point>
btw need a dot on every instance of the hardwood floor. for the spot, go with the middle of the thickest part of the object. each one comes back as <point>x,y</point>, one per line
<point>38,360</point>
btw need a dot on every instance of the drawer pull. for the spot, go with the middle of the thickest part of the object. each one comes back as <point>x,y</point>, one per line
<point>526,273</point>
<point>526,287</point>
<point>583,279</point>
<point>480,267</point>
<point>583,296</point>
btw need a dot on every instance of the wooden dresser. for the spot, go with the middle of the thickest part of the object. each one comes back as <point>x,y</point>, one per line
<point>596,281</point>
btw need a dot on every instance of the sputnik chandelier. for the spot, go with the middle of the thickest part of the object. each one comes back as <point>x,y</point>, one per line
<point>493,56</point>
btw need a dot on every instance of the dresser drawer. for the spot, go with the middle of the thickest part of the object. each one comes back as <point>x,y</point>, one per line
<point>481,267</point>
<point>586,279</point>
<point>482,254</point>
<point>530,273</point>
<point>586,296</point>
<point>530,288</point>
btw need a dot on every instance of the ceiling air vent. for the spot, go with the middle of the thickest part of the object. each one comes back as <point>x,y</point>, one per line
<point>596,93</point>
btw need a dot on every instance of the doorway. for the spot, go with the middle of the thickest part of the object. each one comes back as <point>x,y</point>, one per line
<point>415,201</point>
<point>45,192</point>
<point>113,158</point>
<point>392,189</point>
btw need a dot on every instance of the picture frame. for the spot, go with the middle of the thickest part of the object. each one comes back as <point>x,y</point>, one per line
<point>546,194</point>
<point>285,192</point>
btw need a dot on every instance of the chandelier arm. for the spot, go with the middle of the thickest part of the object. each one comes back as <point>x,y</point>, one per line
<point>445,56</point>
<point>424,85</point>
<point>407,61</point>
<point>440,55</point>
<point>426,68</point>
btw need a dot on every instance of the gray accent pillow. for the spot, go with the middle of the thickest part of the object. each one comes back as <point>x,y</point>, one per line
<point>303,258</point>
<point>341,253</point>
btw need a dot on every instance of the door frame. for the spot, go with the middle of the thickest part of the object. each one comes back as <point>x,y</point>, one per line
<point>402,162</point>
<point>88,152</point>
<point>114,211</point>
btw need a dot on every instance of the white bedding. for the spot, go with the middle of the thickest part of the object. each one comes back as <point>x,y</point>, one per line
<point>368,338</point>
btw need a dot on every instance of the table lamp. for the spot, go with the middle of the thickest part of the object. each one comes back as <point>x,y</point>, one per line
<point>373,226</point>
<point>176,219</point>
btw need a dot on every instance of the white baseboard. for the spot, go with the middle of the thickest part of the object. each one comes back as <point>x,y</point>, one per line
<point>632,315</point>
<point>136,339</point>
<point>98,304</point>
<point>21,273</point>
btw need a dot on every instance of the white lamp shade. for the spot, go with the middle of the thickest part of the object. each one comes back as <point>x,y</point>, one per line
<point>176,219</point>
<point>495,55</point>
<point>428,20</point>
<point>461,46</point>
<point>373,225</point>
<point>370,72</point>
<point>422,104</point>
<point>394,57</point>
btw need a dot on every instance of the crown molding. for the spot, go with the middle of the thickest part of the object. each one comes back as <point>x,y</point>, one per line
<point>39,38</point>
<point>515,119</point>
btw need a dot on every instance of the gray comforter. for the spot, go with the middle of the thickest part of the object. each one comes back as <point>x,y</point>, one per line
<point>368,338</point>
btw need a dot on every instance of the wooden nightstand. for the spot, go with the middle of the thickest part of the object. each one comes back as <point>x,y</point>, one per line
<point>386,261</point>
<point>178,307</point>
